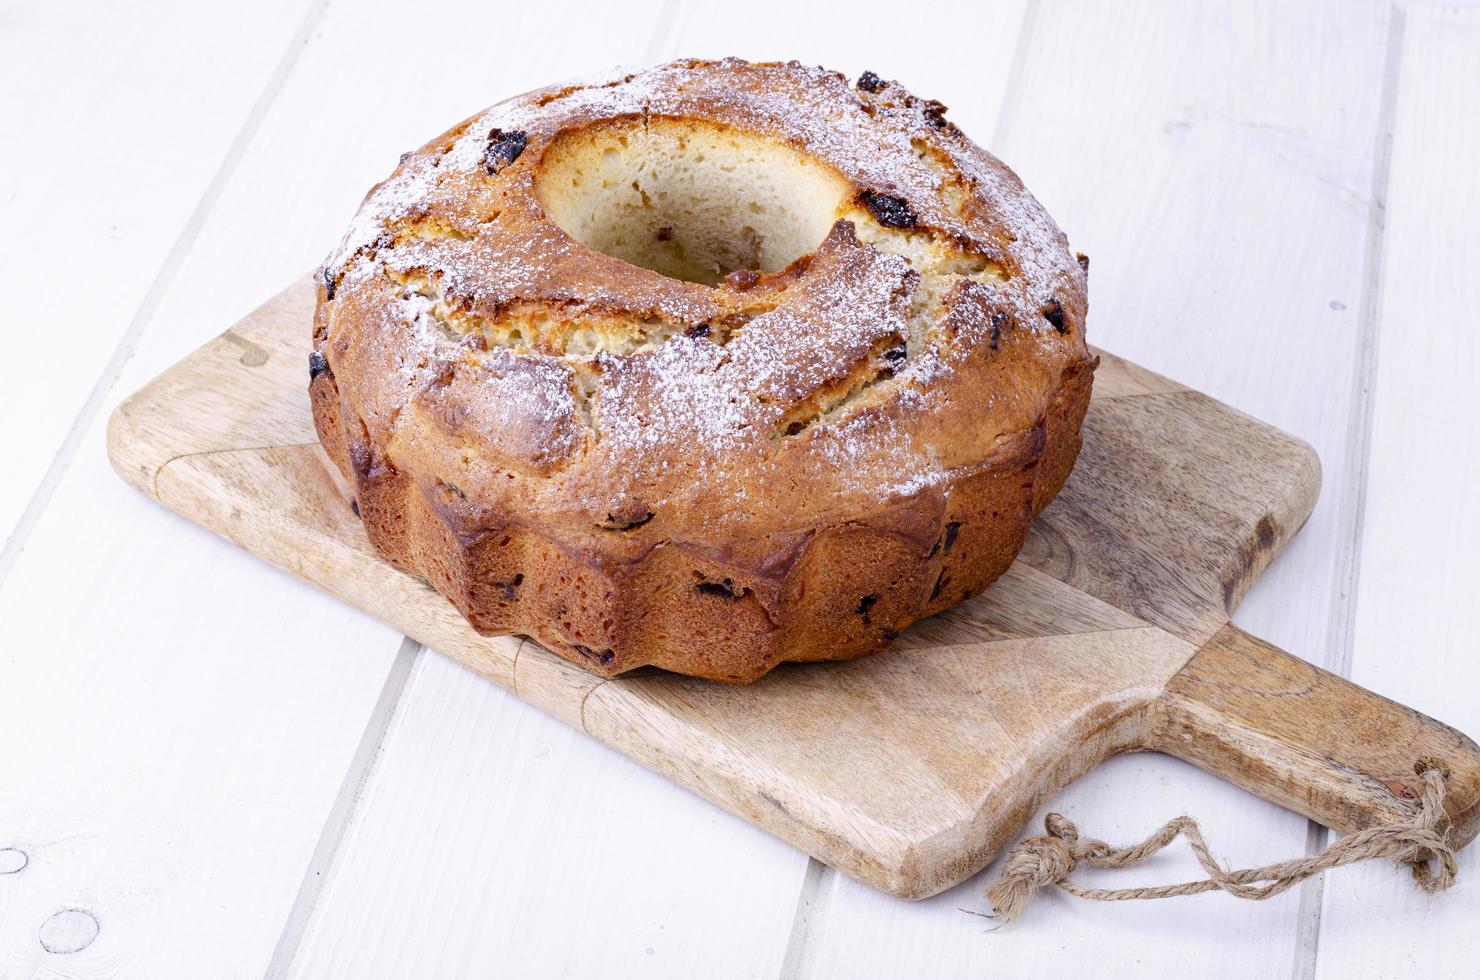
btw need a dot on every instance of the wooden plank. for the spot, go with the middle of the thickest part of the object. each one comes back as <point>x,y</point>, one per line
<point>1225,220</point>
<point>178,719</point>
<point>176,722</point>
<point>495,838</point>
<point>115,121</point>
<point>1416,615</point>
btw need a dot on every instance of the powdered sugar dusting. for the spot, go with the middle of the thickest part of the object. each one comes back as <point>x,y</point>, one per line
<point>399,196</point>
<point>727,402</point>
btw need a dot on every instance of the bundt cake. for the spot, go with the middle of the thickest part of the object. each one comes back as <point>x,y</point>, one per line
<point>708,367</point>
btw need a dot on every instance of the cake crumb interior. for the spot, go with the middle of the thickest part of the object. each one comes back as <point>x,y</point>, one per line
<point>689,200</point>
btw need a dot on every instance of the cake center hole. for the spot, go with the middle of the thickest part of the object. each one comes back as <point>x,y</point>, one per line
<point>690,200</point>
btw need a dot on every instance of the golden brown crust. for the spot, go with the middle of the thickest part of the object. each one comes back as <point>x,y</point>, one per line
<point>791,466</point>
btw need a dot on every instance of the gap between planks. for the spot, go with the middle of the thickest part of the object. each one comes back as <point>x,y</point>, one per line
<point>346,802</point>
<point>667,17</point>
<point>1354,487</point>
<point>61,462</point>
<point>1005,113</point>
<point>799,961</point>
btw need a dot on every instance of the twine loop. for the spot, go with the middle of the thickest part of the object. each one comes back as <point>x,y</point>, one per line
<point>1420,840</point>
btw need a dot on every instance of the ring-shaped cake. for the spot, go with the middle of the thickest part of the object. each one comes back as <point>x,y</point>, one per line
<point>709,366</point>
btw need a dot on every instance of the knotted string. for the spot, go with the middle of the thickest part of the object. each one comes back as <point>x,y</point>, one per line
<point>1038,861</point>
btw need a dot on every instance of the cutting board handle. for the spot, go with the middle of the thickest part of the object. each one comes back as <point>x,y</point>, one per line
<point>1309,740</point>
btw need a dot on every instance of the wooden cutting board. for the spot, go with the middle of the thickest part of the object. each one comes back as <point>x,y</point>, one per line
<point>911,769</point>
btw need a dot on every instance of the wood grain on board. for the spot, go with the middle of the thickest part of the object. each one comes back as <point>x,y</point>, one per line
<point>911,769</point>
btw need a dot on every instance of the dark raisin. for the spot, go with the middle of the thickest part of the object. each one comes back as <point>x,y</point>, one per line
<point>664,234</point>
<point>605,656</point>
<point>891,635</point>
<point>625,523</point>
<point>940,584</point>
<point>1083,261</point>
<point>507,588</point>
<point>404,157</point>
<point>1054,313</point>
<point>896,355</point>
<point>869,82</point>
<point>952,529</point>
<point>452,490</point>
<point>317,365</point>
<point>330,282</point>
<point>724,589</point>
<point>935,114</point>
<point>865,604</point>
<point>934,549</point>
<point>354,505</point>
<point>702,330</point>
<point>503,148</point>
<point>891,212</point>
<point>361,459</point>
<point>999,321</point>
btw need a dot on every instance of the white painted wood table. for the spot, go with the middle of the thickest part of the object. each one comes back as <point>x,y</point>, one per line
<point>209,769</point>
